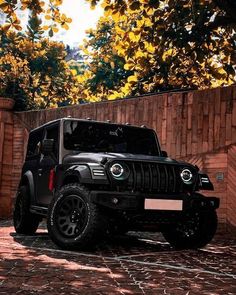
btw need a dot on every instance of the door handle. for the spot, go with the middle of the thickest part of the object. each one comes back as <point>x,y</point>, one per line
<point>40,172</point>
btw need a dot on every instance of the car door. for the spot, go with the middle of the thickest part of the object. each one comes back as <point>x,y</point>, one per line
<point>46,164</point>
<point>32,159</point>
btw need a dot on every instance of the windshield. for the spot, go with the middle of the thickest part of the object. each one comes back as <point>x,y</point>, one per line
<point>100,137</point>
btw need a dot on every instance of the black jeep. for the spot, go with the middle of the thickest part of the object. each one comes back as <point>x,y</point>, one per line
<point>93,178</point>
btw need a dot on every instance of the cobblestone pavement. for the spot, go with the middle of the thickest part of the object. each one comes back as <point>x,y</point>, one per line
<point>138,263</point>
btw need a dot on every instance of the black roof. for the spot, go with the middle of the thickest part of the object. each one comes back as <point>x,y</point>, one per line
<point>85,120</point>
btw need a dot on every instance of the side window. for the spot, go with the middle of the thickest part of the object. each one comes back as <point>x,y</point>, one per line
<point>34,143</point>
<point>53,133</point>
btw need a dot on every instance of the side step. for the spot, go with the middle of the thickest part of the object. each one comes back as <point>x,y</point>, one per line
<point>39,210</point>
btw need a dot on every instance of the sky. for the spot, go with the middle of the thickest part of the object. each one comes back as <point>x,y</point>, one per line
<point>83,18</point>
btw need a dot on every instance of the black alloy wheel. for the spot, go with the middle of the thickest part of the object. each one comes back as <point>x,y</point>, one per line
<point>74,222</point>
<point>72,216</point>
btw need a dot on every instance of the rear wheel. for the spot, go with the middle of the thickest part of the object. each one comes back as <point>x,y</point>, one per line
<point>24,221</point>
<point>73,221</point>
<point>194,230</point>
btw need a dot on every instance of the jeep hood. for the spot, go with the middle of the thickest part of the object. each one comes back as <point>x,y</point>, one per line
<point>103,157</point>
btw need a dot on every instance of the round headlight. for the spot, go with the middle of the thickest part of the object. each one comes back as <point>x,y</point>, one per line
<point>117,170</point>
<point>186,176</point>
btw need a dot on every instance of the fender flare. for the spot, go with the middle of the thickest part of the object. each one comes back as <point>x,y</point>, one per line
<point>80,171</point>
<point>28,179</point>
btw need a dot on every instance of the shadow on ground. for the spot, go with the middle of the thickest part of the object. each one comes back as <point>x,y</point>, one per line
<point>138,263</point>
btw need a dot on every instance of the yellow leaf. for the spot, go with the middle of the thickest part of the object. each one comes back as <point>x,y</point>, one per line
<point>85,50</point>
<point>74,72</point>
<point>127,67</point>
<point>48,17</point>
<point>114,96</point>
<point>65,26</point>
<point>104,4</point>
<point>126,89</point>
<point>55,29</point>
<point>116,16</point>
<point>81,79</point>
<point>132,79</point>
<point>140,23</point>
<point>150,48</point>
<point>221,71</point>
<point>140,53</point>
<point>134,37</point>
<point>166,54</point>
<point>150,11</point>
<point>148,22</point>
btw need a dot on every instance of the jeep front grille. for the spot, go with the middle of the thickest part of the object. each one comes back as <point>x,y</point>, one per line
<point>154,178</point>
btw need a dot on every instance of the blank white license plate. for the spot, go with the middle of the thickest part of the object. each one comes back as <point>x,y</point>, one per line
<point>160,204</point>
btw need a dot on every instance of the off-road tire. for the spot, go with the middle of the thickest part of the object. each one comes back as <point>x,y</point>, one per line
<point>83,232</point>
<point>24,221</point>
<point>199,235</point>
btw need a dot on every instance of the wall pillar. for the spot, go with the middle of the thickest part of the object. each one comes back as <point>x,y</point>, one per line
<point>6,158</point>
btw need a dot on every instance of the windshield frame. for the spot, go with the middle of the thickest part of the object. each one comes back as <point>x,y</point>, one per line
<point>66,151</point>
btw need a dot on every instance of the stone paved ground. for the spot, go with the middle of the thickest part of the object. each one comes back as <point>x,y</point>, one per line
<point>134,264</point>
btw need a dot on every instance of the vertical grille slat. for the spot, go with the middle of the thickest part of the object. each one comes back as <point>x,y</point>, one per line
<point>174,179</point>
<point>166,178</point>
<point>142,176</point>
<point>135,176</point>
<point>150,177</point>
<point>158,178</point>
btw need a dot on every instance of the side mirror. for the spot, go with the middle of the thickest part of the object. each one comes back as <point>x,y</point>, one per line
<point>164,154</point>
<point>47,146</point>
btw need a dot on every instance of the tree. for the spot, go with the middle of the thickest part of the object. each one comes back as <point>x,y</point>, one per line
<point>105,73</point>
<point>33,70</point>
<point>149,46</point>
<point>174,44</point>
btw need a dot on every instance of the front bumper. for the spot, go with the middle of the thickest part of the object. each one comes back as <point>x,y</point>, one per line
<point>126,201</point>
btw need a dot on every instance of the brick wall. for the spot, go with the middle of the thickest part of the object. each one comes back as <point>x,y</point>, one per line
<point>197,126</point>
<point>231,186</point>
<point>187,123</point>
<point>216,166</point>
<point>6,168</point>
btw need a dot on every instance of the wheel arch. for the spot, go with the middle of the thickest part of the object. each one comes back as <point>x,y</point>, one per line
<point>70,178</point>
<point>76,174</point>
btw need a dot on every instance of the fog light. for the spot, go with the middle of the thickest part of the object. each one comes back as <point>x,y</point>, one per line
<point>115,201</point>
